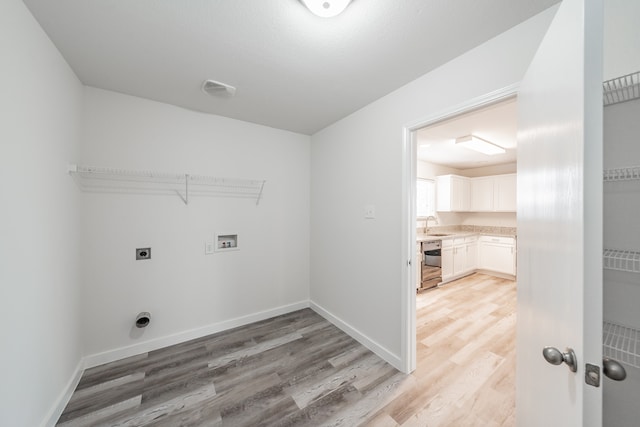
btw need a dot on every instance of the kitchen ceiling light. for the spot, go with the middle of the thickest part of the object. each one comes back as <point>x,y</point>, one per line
<point>480,145</point>
<point>326,8</point>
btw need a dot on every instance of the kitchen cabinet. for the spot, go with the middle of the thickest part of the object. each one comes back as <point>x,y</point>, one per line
<point>497,254</point>
<point>418,265</point>
<point>447,260</point>
<point>504,193</point>
<point>453,193</point>
<point>459,257</point>
<point>471,253</point>
<point>482,194</point>
<point>494,193</point>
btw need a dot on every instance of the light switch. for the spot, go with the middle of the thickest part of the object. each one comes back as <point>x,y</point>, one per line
<point>209,248</point>
<point>369,212</point>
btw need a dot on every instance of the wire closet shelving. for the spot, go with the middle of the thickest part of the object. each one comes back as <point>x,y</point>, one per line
<point>621,343</point>
<point>621,260</point>
<point>621,89</point>
<point>112,180</point>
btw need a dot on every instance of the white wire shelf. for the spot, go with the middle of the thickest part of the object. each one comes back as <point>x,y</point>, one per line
<point>621,343</point>
<point>627,173</point>
<point>621,260</point>
<point>111,180</point>
<point>621,89</point>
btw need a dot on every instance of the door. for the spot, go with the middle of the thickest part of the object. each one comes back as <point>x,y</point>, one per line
<point>560,220</point>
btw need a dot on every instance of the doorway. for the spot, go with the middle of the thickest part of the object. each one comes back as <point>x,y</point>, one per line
<point>411,142</point>
<point>460,317</point>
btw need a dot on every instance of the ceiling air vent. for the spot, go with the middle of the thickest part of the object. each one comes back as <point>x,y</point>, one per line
<point>214,88</point>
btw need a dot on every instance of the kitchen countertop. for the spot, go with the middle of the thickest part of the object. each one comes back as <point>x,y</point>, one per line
<point>421,237</point>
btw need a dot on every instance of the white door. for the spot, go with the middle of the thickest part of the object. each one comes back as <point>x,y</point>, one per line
<point>560,220</point>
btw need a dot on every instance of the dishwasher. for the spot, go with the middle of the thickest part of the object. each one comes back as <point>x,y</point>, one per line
<point>431,273</point>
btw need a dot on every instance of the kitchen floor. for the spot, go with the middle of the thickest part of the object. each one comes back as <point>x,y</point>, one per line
<point>298,369</point>
<point>465,372</point>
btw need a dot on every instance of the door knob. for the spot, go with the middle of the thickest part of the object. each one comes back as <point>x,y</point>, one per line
<point>613,369</point>
<point>556,357</point>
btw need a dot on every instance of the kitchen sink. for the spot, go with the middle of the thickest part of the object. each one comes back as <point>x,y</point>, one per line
<point>438,234</point>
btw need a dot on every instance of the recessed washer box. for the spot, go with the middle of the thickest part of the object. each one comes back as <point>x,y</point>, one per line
<point>226,242</point>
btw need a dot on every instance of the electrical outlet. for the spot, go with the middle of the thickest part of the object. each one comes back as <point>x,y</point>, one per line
<point>143,253</point>
<point>369,212</point>
<point>209,248</point>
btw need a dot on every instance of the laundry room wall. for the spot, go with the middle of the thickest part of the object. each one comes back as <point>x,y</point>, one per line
<point>188,292</point>
<point>40,110</point>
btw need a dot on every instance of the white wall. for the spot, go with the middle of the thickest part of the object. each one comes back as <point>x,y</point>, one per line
<point>187,292</point>
<point>621,38</point>
<point>431,170</point>
<point>40,109</point>
<point>358,161</point>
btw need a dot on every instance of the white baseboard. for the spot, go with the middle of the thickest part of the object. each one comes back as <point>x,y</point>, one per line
<point>496,274</point>
<point>386,355</point>
<point>54,414</point>
<point>155,344</point>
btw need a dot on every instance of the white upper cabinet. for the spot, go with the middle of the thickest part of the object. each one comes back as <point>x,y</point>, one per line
<point>504,193</point>
<point>482,194</point>
<point>453,193</point>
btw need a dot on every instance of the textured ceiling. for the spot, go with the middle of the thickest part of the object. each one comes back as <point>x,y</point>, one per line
<point>292,70</point>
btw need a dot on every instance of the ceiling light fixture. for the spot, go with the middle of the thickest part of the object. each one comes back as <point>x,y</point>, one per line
<point>480,145</point>
<point>326,8</point>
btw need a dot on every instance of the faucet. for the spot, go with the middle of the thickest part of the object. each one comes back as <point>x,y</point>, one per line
<point>426,224</point>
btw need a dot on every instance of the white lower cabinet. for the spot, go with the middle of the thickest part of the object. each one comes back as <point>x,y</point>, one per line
<point>497,254</point>
<point>447,260</point>
<point>459,257</point>
<point>464,255</point>
<point>471,253</point>
<point>418,265</point>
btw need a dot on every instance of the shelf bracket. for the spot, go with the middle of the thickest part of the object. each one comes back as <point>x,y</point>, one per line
<point>186,188</point>
<point>260,193</point>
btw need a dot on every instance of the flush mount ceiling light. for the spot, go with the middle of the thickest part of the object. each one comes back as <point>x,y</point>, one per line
<point>326,8</point>
<point>211,87</point>
<point>480,145</point>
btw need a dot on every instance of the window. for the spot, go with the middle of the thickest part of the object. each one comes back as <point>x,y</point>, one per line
<point>425,197</point>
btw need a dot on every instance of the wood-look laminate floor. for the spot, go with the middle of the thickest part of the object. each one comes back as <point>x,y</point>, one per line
<point>298,369</point>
